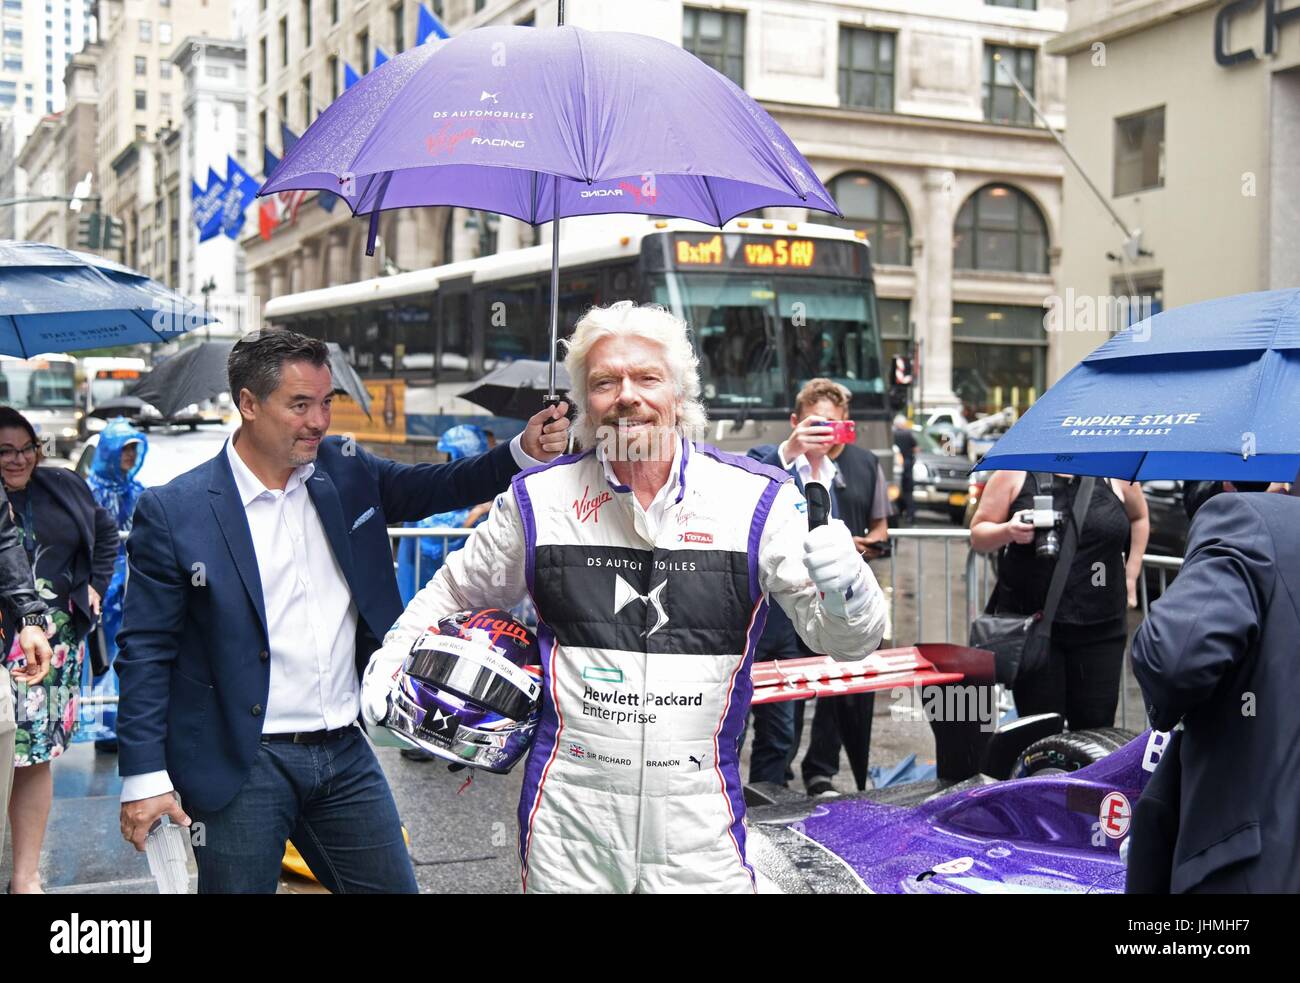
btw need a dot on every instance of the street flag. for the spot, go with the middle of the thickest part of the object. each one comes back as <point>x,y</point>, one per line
<point>241,188</point>
<point>350,77</point>
<point>380,57</point>
<point>269,163</point>
<point>207,209</point>
<point>429,26</point>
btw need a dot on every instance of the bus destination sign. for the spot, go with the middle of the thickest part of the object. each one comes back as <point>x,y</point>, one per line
<point>731,251</point>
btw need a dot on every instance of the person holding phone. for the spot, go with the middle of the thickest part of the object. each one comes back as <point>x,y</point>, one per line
<point>820,448</point>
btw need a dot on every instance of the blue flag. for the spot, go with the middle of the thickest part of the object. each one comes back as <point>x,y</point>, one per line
<point>350,77</point>
<point>429,26</point>
<point>241,188</point>
<point>380,57</point>
<point>207,207</point>
<point>288,139</point>
<point>269,162</point>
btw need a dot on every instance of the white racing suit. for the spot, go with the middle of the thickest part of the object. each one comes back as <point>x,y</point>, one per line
<point>633,780</point>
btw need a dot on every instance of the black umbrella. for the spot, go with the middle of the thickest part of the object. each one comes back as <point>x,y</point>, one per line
<point>516,389</point>
<point>199,373</point>
<point>119,406</point>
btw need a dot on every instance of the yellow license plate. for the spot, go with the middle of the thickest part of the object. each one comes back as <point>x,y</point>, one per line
<point>957,498</point>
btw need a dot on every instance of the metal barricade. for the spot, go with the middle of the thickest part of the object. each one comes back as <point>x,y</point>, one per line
<point>398,533</point>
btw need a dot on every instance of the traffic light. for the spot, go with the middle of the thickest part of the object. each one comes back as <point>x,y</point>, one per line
<point>112,233</point>
<point>88,231</point>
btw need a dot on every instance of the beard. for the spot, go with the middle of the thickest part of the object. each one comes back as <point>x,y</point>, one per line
<point>651,442</point>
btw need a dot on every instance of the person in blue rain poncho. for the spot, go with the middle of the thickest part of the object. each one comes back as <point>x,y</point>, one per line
<point>112,480</point>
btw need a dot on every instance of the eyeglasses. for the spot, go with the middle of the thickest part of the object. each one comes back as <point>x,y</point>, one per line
<point>10,454</point>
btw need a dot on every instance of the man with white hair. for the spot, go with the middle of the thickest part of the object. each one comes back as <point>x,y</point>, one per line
<point>651,560</point>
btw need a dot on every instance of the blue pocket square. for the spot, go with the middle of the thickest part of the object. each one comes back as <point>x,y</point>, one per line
<point>362,518</point>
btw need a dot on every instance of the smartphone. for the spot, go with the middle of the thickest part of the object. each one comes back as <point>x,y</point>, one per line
<point>842,431</point>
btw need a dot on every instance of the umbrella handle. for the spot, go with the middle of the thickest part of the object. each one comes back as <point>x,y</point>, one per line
<point>555,400</point>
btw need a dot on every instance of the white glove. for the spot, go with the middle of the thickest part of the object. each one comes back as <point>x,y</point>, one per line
<point>836,569</point>
<point>378,683</point>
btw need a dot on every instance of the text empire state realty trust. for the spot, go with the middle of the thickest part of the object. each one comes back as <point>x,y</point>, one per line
<point>1132,425</point>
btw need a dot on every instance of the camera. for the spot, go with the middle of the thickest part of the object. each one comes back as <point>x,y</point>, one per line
<point>1047,524</point>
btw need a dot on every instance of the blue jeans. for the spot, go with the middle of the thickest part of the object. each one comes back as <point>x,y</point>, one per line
<point>330,799</point>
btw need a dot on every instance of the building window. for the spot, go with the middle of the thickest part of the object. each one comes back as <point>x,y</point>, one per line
<point>870,204</point>
<point>717,39</point>
<point>1136,298</point>
<point>999,228</point>
<point>334,11</point>
<point>283,105</point>
<point>1140,151</point>
<point>895,327</point>
<point>999,356</point>
<point>142,66</point>
<point>398,14</point>
<point>146,30</point>
<point>165,32</point>
<point>139,131</point>
<point>284,42</point>
<point>261,60</point>
<point>166,98</point>
<point>866,69</point>
<point>363,54</point>
<point>1002,103</point>
<point>261,130</point>
<point>306,23</point>
<point>165,69</point>
<point>141,99</point>
<point>1016,4</point>
<point>479,5</point>
<point>307,107</point>
<point>333,63</point>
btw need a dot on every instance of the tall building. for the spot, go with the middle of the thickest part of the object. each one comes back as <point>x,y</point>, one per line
<point>141,88</point>
<point>1187,117</point>
<point>37,40</point>
<point>902,109</point>
<point>59,154</point>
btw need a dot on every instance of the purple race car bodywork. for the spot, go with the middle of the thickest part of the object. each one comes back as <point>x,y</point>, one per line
<point>1063,832</point>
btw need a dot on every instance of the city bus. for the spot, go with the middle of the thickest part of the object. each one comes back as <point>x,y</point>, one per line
<point>770,305</point>
<point>44,389</point>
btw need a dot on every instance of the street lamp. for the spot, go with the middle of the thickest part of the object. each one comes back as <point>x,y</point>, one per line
<point>206,289</point>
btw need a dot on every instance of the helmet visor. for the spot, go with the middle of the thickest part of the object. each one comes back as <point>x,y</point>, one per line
<point>505,689</point>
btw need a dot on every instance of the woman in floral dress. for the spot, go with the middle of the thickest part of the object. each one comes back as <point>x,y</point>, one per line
<point>72,544</point>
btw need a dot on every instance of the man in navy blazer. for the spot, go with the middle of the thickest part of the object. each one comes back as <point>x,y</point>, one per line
<point>260,584</point>
<point>1219,653</point>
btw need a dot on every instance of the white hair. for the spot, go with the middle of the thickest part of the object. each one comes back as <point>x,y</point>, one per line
<point>649,322</point>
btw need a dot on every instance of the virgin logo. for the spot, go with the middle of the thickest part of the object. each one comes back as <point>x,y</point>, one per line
<point>588,508</point>
<point>642,197</point>
<point>444,141</point>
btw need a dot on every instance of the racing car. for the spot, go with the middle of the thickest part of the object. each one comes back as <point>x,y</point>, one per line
<point>1020,808</point>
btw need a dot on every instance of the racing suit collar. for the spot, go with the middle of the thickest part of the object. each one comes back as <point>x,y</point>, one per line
<point>676,484</point>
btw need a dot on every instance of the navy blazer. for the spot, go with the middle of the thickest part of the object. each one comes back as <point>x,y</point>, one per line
<point>193,660</point>
<point>1219,652</point>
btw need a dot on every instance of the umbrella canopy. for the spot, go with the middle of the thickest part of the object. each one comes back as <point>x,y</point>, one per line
<point>515,389</point>
<point>627,122</point>
<point>58,300</point>
<point>119,406</point>
<point>1205,391</point>
<point>199,373</point>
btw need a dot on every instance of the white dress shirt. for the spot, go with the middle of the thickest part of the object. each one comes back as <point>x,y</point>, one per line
<point>648,521</point>
<point>825,475</point>
<point>310,614</point>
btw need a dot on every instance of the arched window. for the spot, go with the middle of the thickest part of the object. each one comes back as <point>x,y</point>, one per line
<point>1000,228</point>
<point>871,204</point>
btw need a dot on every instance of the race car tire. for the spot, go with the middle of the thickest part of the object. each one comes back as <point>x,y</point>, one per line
<point>1069,751</point>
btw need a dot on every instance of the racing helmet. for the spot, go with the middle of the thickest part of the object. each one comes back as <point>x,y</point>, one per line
<point>470,690</point>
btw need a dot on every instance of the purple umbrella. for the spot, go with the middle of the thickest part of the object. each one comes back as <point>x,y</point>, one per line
<point>548,123</point>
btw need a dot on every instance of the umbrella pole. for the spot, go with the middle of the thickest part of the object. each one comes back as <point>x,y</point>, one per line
<point>553,398</point>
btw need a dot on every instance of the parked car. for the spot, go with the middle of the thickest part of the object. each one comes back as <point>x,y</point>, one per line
<point>940,479</point>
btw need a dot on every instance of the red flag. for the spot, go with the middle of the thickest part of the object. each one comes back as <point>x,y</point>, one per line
<point>268,217</point>
<point>290,202</point>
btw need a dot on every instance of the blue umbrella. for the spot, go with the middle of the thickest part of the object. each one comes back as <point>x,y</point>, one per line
<point>1207,391</point>
<point>548,123</point>
<point>57,300</point>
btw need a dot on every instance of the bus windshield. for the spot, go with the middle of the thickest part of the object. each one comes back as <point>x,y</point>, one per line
<point>37,384</point>
<point>760,338</point>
